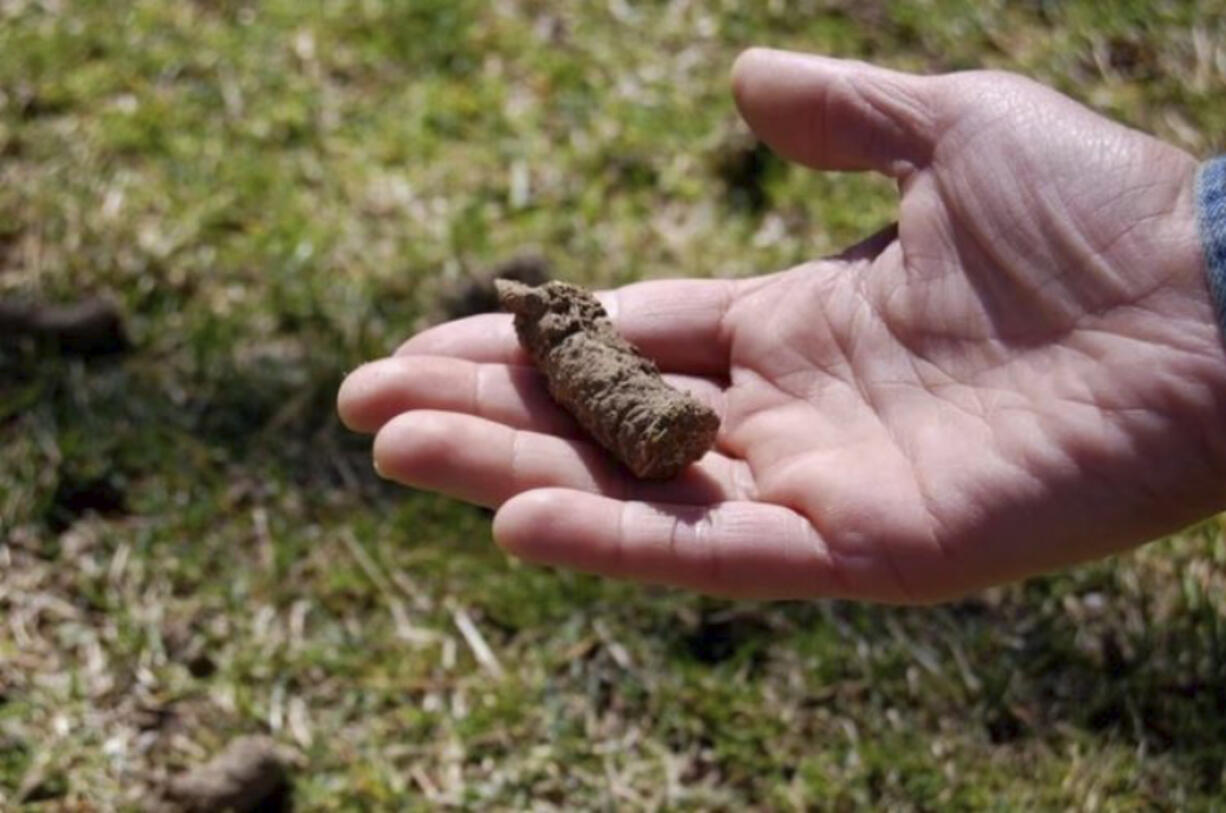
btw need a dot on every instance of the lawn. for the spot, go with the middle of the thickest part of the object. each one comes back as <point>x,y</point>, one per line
<point>193,548</point>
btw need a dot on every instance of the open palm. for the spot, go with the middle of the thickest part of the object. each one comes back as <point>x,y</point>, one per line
<point>1024,373</point>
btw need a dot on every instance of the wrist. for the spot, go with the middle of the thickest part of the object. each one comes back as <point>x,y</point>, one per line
<point>1197,292</point>
<point>1181,356</point>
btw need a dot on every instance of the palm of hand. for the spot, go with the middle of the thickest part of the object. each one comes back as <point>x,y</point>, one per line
<point>952,404</point>
<point>966,393</point>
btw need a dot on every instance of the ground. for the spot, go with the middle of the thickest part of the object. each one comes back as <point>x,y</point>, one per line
<point>192,548</point>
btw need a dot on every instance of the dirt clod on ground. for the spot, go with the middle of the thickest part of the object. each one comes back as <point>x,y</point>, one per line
<point>90,327</point>
<point>249,775</point>
<point>744,165</point>
<point>614,391</point>
<point>475,293</point>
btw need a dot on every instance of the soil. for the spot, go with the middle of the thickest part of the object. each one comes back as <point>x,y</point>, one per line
<point>613,390</point>
<point>476,294</point>
<point>249,775</point>
<point>90,327</point>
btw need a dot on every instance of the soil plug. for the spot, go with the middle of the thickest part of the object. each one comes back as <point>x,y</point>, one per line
<point>90,327</point>
<point>250,774</point>
<point>476,294</point>
<point>613,390</point>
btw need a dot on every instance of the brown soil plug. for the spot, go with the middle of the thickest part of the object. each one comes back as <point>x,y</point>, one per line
<point>614,391</point>
<point>250,774</point>
<point>90,327</point>
<point>476,294</point>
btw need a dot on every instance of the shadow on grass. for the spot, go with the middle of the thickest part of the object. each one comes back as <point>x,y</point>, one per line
<point>112,422</point>
<point>1029,667</point>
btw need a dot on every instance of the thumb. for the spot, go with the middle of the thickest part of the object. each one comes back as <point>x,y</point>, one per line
<point>836,114</point>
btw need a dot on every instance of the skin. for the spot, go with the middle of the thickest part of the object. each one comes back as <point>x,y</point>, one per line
<point>1024,373</point>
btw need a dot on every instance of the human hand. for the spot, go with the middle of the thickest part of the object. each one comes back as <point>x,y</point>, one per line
<point>1023,374</point>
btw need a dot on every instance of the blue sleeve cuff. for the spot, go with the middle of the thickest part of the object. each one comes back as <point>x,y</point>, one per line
<point>1211,202</point>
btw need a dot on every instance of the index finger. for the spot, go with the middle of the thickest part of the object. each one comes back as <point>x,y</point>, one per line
<point>678,323</point>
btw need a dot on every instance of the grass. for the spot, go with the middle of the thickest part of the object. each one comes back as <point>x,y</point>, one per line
<point>192,548</point>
